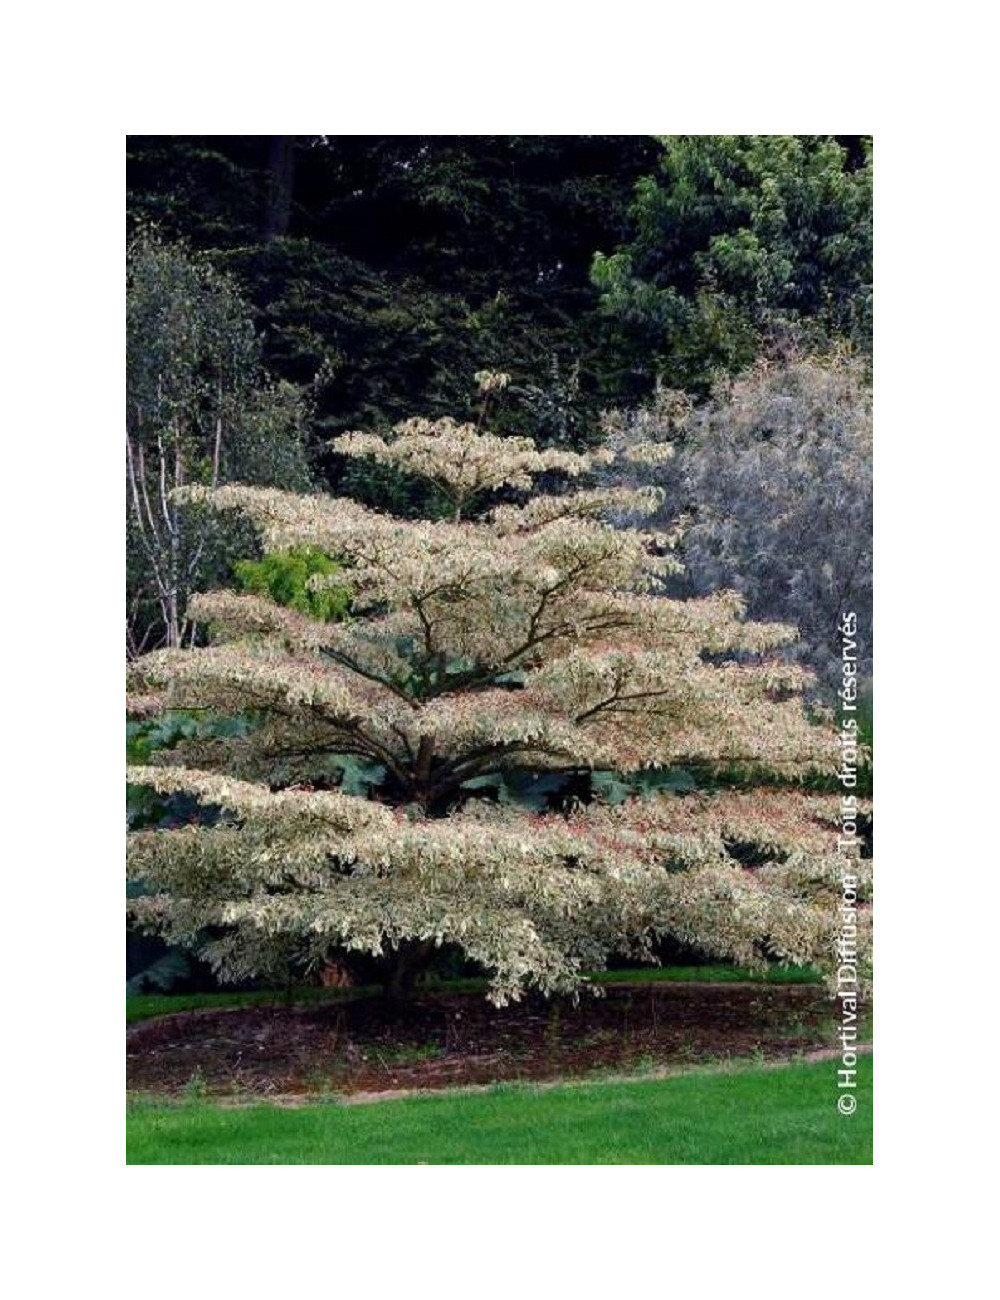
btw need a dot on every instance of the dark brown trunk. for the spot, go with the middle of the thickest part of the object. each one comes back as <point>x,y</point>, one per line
<point>280,182</point>
<point>411,960</point>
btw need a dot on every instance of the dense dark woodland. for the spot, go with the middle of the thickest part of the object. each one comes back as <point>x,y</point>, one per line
<point>387,270</point>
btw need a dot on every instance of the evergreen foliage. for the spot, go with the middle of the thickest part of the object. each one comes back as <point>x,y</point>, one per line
<point>739,242</point>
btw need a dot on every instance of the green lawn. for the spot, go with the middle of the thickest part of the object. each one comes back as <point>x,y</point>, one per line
<point>753,1116</point>
<point>143,1006</point>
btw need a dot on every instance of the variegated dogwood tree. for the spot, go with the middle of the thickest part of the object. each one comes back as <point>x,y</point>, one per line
<point>523,643</point>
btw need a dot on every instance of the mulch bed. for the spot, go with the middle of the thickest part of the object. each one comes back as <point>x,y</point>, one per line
<point>442,1040</point>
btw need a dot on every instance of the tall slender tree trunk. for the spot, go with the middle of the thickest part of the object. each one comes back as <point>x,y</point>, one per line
<point>280,183</point>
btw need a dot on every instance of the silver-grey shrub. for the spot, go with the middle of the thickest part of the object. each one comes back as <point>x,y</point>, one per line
<point>774,474</point>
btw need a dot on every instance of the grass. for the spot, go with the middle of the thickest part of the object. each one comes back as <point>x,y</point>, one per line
<point>709,975</point>
<point>144,1006</point>
<point>751,1116</point>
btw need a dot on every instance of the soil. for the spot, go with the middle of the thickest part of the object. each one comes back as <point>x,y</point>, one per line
<point>443,1040</point>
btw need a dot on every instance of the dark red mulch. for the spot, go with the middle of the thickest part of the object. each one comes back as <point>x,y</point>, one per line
<point>441,1040</point>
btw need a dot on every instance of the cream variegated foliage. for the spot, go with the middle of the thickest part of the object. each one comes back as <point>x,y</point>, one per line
<point>530,640</point>
<point>460,460</point>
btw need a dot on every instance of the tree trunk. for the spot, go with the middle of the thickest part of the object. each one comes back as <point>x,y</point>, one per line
<point>280,181</point>
<point>410,961</point>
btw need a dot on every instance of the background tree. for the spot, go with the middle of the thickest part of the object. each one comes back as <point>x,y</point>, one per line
<point>774,477</point>
<point>394,267</point>
<point>737,241</point>
<point>199,409</point>
<point>523,646</point>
